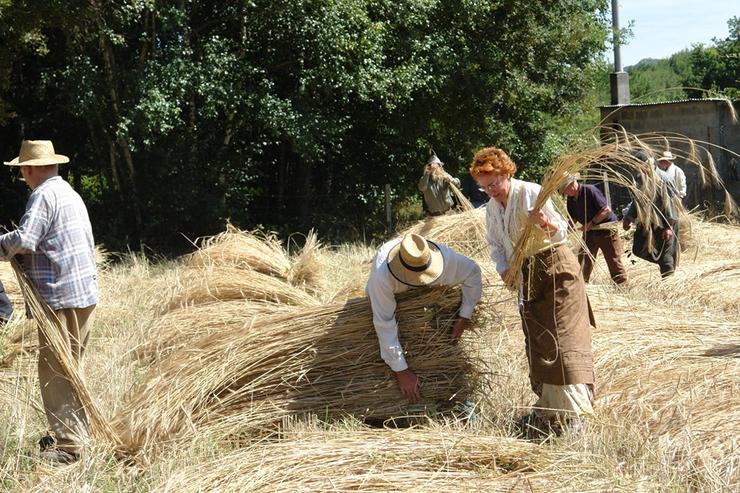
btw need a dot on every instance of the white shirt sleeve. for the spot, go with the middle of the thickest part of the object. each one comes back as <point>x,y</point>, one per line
<point>532,191</point>
<point>680,182</point>
<point>383,304</point>
<point>459,269</point>
<point>498,254</point>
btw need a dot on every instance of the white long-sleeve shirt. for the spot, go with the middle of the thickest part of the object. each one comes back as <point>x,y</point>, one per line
<point>382,287</point>
<point>679,179</point>
<point>505,225</point>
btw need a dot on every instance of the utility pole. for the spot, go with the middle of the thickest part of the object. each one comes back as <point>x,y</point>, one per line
<point>619,79</point>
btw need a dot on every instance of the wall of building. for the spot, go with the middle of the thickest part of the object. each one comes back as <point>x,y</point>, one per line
<point>708,122</point>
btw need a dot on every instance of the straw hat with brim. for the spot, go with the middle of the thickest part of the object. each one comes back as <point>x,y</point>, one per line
<point>667,156</point>
<point>569,178</point>
<point>415,261</point>
<point>37,153</point>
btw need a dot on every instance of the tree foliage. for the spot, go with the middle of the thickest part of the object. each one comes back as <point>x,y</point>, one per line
<point>285,113</point>
<point>699,72</point>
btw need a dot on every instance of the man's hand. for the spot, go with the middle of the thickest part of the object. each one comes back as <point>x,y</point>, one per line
<point>667,234</point>
<point>588,227</point>
<point>626,223</point>
<point>458,328</point>
<point>408,383</point>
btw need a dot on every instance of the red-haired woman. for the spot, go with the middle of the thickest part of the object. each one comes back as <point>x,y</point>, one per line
<point>552,296</point>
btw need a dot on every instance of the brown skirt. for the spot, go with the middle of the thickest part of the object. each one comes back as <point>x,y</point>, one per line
<point>556,319</point>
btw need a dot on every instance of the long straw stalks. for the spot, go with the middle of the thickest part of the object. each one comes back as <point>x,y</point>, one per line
<point>321,360</point>
<point>51,327</point>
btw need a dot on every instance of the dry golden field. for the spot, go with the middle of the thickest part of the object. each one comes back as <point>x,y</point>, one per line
<point>246,367</point>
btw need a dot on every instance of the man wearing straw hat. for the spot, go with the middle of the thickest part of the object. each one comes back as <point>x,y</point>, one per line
<point>587,205</point>
<point>54,246</point>
<point>678,177</point>
<point>656,244</point>
<point>410,262</point>
<point>434,184</point>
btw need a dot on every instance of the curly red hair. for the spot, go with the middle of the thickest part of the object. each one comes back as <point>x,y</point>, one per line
<point>492,161</point>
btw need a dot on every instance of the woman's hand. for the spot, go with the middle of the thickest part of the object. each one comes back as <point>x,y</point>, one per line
<point>538,218</point>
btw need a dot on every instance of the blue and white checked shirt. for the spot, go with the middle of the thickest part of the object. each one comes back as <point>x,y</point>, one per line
<point>55,247</point>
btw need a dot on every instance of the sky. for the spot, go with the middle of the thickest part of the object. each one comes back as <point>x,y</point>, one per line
<point>663,27</point>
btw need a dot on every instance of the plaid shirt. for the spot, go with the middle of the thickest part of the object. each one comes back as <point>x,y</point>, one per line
<point>55,248</point>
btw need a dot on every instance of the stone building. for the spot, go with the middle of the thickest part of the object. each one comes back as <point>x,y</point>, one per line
<point>709,122</point>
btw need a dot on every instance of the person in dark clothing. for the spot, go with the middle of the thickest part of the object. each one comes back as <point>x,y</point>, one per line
<point>475,194</point>
<point>662,250</point>
<point>6,307</point>
<point>587,206</point>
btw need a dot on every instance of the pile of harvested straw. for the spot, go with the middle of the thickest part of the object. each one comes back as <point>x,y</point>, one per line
<point>223,283</point>
<point>465,232</point>
<point>386,460</point>
<point>674,372</point>
<point>322,360</point>
<point>177,328</point>
<point>261,252</point>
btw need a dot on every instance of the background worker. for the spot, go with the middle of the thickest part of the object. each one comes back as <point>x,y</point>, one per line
<point>657,244</point>
<point>434,185</point>
<point>676,174</point>
<point>587,206</point>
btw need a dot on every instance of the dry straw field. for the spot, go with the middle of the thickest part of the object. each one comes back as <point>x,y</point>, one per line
<point>246,367</point>
<point>249,366</point>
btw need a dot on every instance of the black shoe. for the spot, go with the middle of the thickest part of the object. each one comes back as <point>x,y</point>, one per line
<point>47,442</point>
<point>58,456</point>
<point>532,427</point>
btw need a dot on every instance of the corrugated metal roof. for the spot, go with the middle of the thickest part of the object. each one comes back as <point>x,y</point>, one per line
<point>664,102</point>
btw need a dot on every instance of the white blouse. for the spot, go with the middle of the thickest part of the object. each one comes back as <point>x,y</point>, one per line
<point>505,225</point>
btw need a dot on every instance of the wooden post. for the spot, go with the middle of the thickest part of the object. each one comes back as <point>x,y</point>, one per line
<point>388,218</point>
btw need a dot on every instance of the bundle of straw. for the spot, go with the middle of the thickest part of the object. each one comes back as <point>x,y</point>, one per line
<point>464,232</point>
<point>322,360</point>
<point>418,460</point>
<point>176,329</point>
<point>223,283</point>
<point>306,270</point>
<point>261,252</point>
<point>51,327</point>
<point>461,199</point>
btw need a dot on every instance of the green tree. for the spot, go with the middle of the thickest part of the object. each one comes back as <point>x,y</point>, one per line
<point>287,113</point>
<point>717,68</point>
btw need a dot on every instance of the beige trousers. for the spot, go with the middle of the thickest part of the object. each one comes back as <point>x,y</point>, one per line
<point>65,413</point>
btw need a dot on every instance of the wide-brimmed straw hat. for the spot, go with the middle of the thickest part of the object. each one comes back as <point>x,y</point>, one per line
<point>667,156</point>
<point>415,261</point>
<point>37,153</point>
<point>567,180</point>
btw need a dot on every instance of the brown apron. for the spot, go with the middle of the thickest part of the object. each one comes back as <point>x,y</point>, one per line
<point>556,319</point>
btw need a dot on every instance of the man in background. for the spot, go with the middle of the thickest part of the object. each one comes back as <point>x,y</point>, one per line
<point>662,250</point>
<point>676,174</point>
<point>587,206</point>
